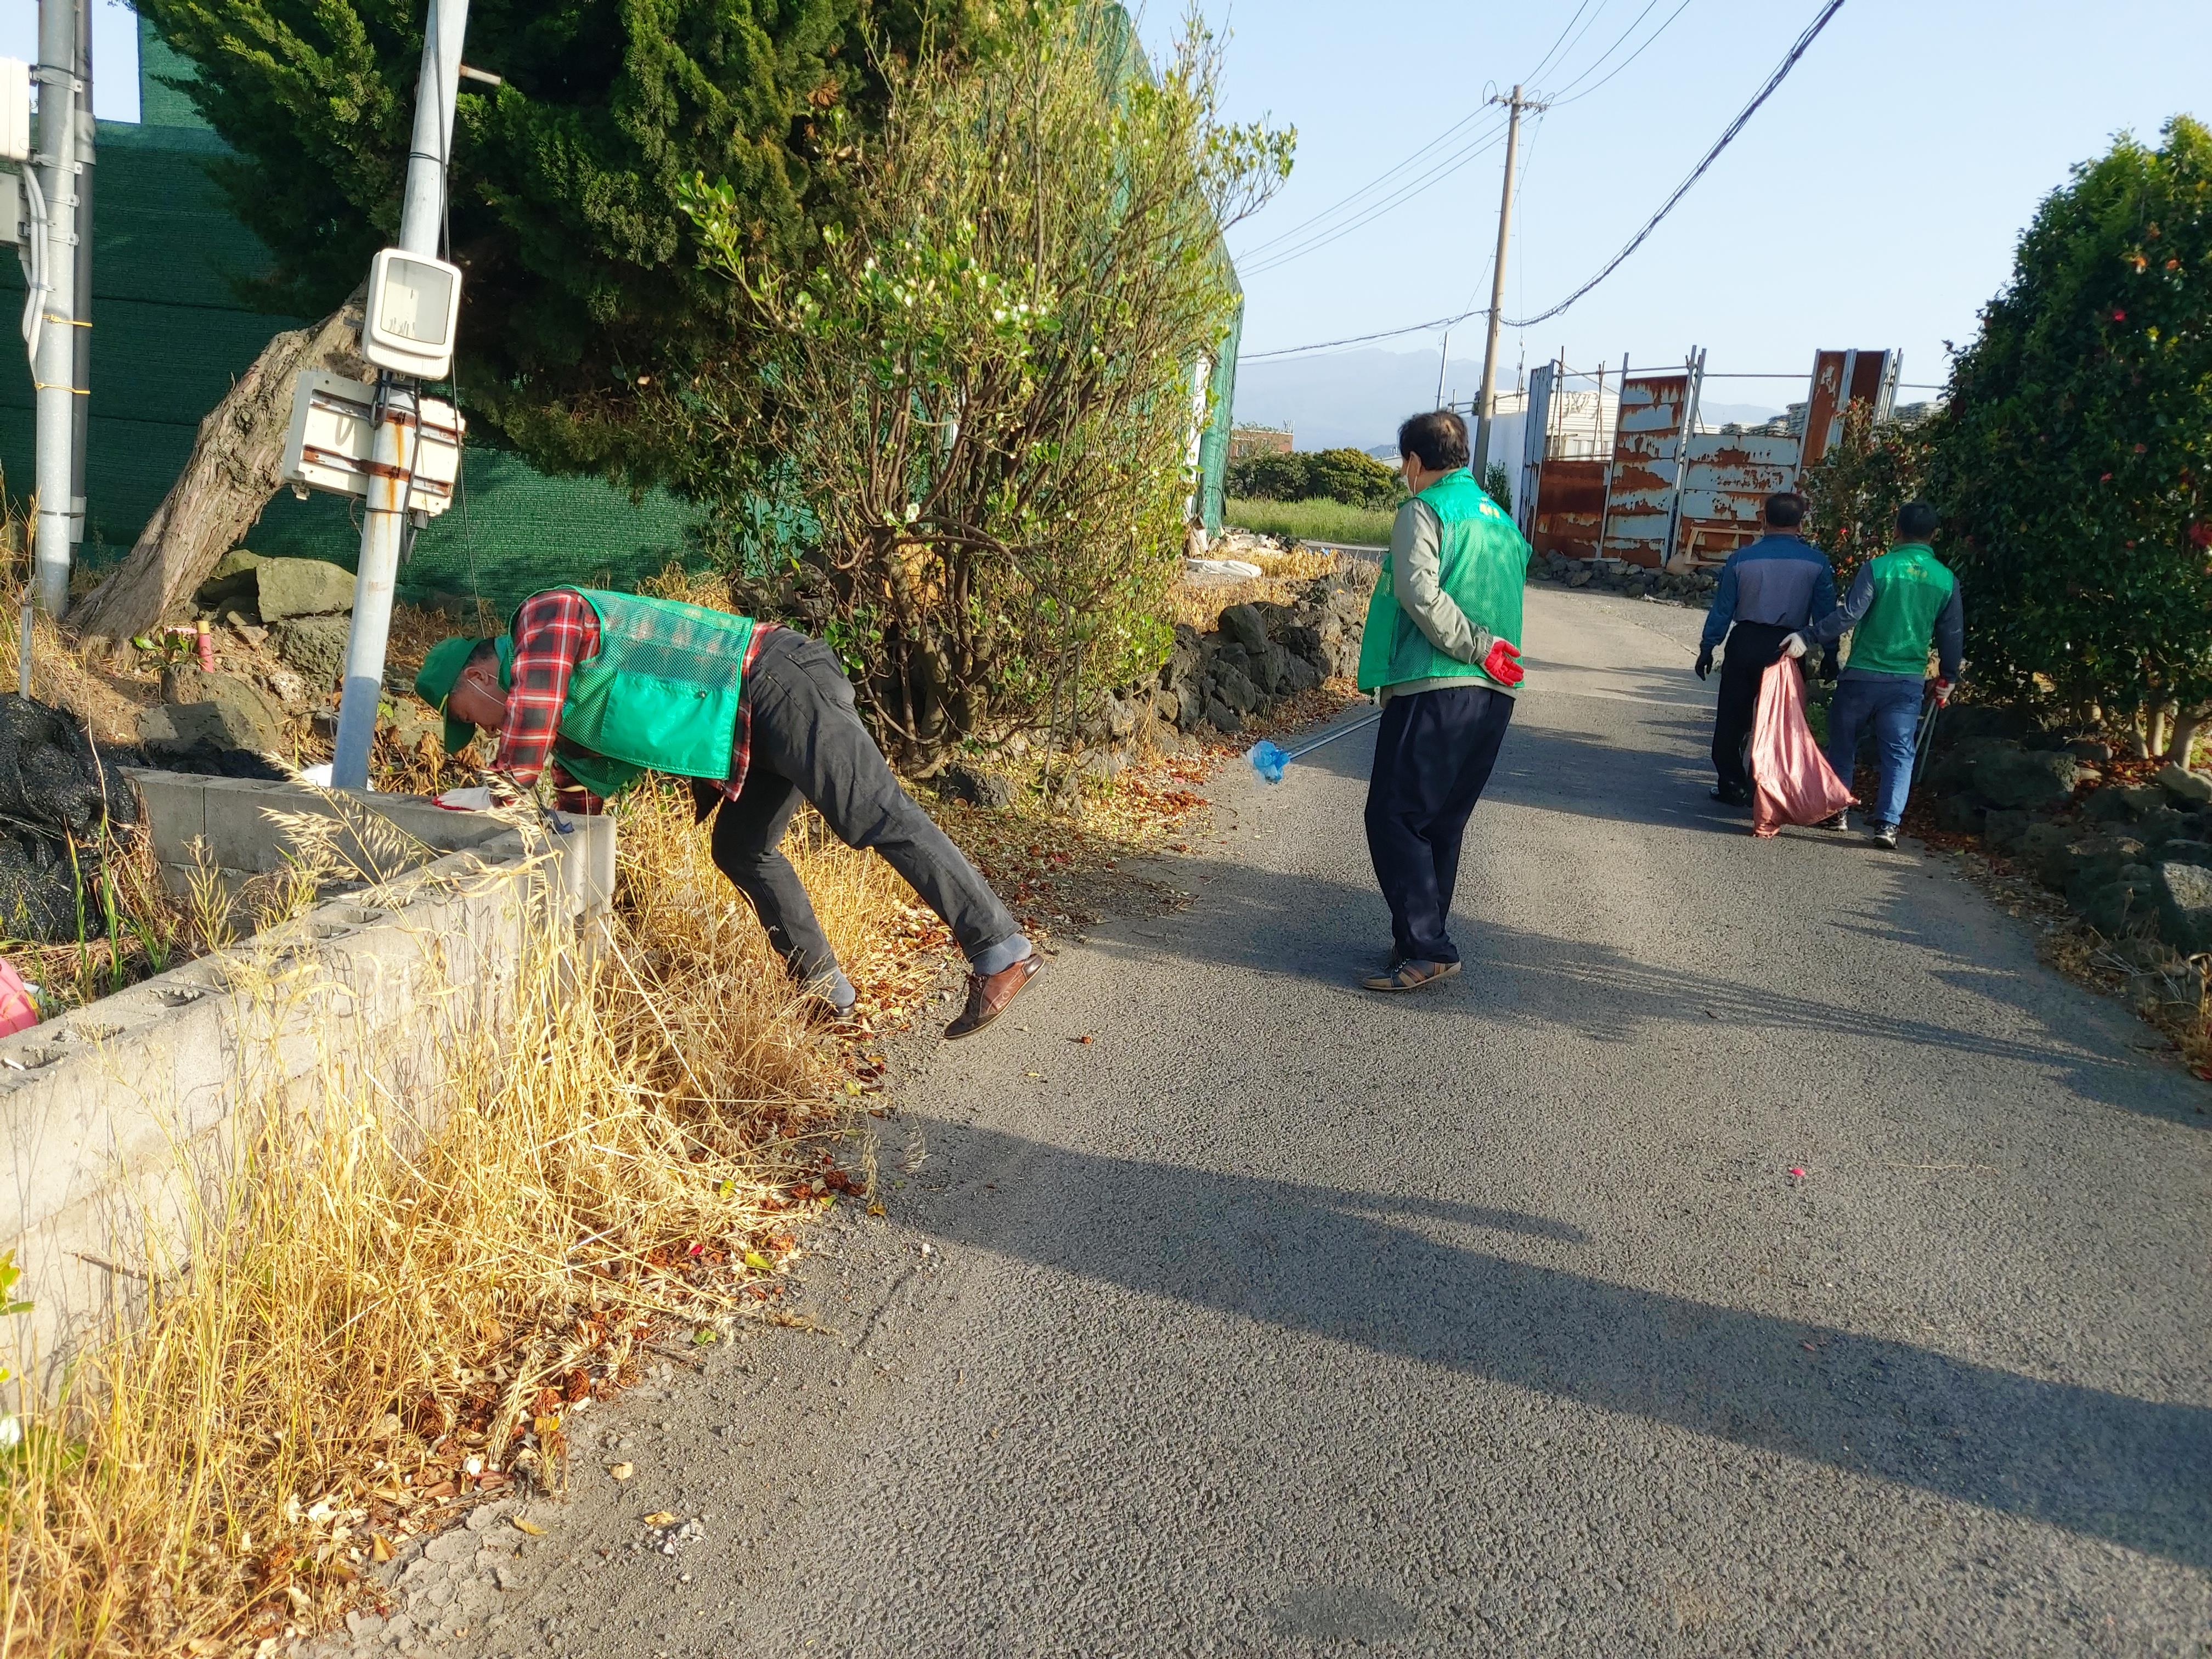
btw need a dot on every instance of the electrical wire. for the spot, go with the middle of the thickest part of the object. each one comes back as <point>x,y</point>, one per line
<point>1436,175</point>
<point>1261,251</point>
<point>1781,73</point>
<point>1543,62</point>
<point>1782,70</point>
<point>1625,62</point>
<point>1585,31</point>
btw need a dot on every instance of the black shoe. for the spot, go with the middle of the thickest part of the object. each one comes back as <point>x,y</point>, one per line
<point>1728,795</point>
<point>1834,821</point>
<point>1883,835</point>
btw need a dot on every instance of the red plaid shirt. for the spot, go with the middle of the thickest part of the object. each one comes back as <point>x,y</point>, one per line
<point>553,632</point>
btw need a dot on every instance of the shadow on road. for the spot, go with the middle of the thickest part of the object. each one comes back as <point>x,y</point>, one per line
<point>1349,1268</point>
<point>1276,926</point>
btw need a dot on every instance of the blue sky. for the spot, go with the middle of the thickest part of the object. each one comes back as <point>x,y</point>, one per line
<point>1874,201</point>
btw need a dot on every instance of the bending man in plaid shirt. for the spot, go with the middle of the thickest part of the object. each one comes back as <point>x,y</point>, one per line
<point>598,688</point>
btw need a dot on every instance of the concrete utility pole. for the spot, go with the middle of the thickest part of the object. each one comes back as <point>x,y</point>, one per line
<point>53,364</point>
<point>81,378</point>
<point>1514,105</point>
<point>384,518</point>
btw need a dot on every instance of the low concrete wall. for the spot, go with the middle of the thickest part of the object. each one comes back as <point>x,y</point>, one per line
<point>120,1121</point>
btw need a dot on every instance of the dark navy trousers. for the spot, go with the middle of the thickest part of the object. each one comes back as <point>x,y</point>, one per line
<point>1433,752</point>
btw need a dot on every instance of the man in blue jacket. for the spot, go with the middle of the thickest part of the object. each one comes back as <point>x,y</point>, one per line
<point>1767,592</point>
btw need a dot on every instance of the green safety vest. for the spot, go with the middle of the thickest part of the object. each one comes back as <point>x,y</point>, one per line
<point>1483,564</point>
<point>1910,587</point>
<point>660,695</point>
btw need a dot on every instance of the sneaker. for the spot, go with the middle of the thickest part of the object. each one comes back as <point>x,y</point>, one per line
<point>1410,976</point>
<point>1835,821</point>
<point>1883,835</point>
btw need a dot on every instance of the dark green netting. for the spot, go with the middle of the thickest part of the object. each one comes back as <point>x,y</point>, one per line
<point>169,335</point>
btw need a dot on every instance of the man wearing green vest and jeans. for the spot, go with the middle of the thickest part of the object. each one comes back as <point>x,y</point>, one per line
<point>601,688</point>
<point>1898,605</point>
<point>1442,653</point>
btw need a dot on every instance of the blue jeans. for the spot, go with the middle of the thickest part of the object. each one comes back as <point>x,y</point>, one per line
<point>1892,708</point>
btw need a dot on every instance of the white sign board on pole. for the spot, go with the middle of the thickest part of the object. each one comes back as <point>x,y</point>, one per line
<point>15,110</point>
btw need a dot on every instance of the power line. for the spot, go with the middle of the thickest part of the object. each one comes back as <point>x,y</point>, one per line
<point>1373,184</point>
<point>1546,59</point>
<point>1360,339</point>
<point>1398,198</point>
<point>1781,73</point>
<point>1625,62</point>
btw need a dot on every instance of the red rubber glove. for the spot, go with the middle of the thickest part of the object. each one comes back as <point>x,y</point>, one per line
<point>1504,664</point>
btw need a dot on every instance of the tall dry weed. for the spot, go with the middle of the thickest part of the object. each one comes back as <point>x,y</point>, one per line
<point>362,1326</point>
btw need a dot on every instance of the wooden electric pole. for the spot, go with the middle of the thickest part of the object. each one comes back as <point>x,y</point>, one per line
<point>1514,105</point>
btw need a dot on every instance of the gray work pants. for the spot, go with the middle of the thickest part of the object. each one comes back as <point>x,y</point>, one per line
<point>807,740</point>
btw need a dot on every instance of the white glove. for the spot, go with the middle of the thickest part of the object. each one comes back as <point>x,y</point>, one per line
<point>1794,647</point>
<point>466,799</point>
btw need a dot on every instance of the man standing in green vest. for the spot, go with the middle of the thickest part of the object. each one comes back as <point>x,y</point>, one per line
<point>1442,653</point>
<point>1900,606</point>
<point>601,688</point>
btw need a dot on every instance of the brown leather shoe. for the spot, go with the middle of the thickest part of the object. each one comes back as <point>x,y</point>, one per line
<point>988,995</point>
<point>1410,976</point>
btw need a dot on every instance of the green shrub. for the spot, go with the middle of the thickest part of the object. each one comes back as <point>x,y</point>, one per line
<point>2075,463</point>
<point>1332,475</point>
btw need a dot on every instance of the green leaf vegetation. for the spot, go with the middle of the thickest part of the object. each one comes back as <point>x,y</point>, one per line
<point>1852,493</point>
<point>981,387</point>
<point>2073,462</point>
<point>1320,475</point>
<point>584,282</point>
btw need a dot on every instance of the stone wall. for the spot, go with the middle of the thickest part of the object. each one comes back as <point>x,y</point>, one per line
<point>1256,656</point>
<point>1635,582</point>
<point>120,1121</point>
<point>2134,861</point>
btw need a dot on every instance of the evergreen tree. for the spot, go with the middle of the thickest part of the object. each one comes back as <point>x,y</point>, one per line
<point>2075,461</point>
<point>583,277</point>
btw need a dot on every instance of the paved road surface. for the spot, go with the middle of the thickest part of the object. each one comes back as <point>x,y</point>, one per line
<point>1282,1319</point>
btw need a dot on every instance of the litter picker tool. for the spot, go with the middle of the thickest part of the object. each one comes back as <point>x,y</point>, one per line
<point>1922,739</point>
<point>1269,760</point>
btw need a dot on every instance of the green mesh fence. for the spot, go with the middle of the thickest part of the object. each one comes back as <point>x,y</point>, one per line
<point>169,336</point>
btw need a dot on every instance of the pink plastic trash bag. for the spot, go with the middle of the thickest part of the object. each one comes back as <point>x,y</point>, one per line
<point>19,1009</point>
<point>1791,782</point>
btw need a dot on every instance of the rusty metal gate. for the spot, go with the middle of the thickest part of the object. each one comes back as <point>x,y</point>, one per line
<point>1639,497</point>
<point>1841,378</point>
<point>1725,490</point>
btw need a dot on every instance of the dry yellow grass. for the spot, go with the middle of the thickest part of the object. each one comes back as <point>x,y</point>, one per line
<point>1281,575</point>
<point>351,1321</point>
<point>363,1330</point>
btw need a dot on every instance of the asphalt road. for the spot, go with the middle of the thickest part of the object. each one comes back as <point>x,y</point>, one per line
<point>1284,1318</point>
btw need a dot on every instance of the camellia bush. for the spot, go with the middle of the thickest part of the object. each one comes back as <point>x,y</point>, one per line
<point>985,390</point>
<point>1852,492</point>
<point>2073,462</point>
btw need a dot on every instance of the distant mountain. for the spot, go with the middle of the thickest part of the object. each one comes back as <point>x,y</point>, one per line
<point>1355,399</point>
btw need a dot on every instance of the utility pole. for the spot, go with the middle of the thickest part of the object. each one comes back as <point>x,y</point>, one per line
<point>53,358</point>
<point>384,518</point>
<point>1514,105</point>
<point>80,376</point>
<point>1444,356</point>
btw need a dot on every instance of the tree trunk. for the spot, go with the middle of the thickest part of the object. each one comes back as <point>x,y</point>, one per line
<point>2183,738</point>
<point>229,478</point>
